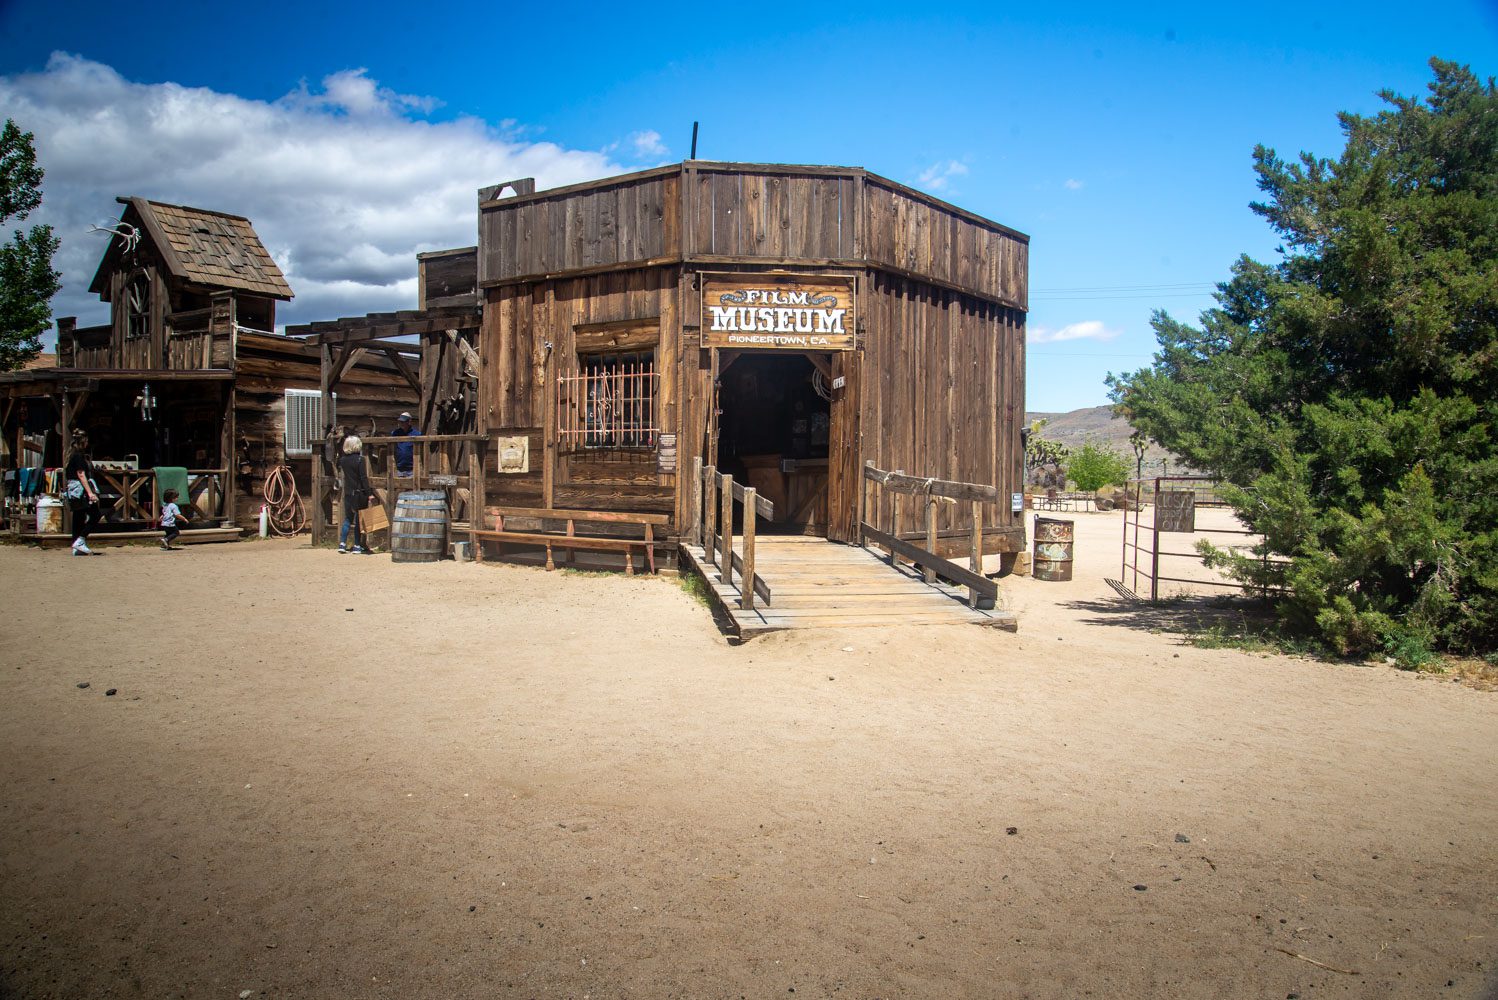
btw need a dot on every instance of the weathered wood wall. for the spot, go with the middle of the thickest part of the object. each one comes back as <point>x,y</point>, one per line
<point>921,237</point>
<point>447,278</point>
<point>519,322</point>
<point>598,225</point>
<point>943,390</point>
<point>370,396</point>
<point>936,389</point>
<point>751,213</point>
<point>795,214</point>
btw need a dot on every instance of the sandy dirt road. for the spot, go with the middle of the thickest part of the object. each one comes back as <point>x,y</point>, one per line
<point>334,776</point>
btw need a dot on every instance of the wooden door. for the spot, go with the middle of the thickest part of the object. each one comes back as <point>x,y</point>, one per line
<point>844,462</point>
<point>710,447</point>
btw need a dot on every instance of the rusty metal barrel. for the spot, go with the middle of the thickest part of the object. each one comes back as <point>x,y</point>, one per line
<point>1053,549</point>
<point>419,531</point>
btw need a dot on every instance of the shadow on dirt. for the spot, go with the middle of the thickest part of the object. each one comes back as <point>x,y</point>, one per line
<point>1181,615</point>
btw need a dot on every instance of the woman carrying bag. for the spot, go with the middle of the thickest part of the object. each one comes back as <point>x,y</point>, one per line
<point>356,494</point>
<point>82,493</point>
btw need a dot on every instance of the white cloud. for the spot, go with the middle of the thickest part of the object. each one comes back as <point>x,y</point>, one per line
<point>1091,329</point>
<point>939,175</point>
<point>647,144</point>
<point>345,183</point>
<point>1072,184</point>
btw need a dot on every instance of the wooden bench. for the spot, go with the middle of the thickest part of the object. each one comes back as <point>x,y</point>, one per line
<point>570,539</point>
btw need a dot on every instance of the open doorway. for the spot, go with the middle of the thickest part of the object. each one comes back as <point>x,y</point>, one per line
<point>773,435</point>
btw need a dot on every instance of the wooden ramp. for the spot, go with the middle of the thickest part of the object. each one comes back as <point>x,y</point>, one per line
<point>816,583</point>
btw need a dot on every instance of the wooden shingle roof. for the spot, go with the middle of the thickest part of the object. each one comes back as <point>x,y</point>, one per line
<point>203,247</point>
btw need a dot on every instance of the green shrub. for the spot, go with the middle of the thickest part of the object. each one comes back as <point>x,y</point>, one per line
<point>1092,467</point>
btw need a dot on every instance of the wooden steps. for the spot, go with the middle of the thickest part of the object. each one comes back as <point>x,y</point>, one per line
<point>819,584</point>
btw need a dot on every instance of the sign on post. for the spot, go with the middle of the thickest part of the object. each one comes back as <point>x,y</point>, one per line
<point>1175,510</point>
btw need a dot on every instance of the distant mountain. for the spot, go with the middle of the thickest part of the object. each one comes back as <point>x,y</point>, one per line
<point>1098,425</point>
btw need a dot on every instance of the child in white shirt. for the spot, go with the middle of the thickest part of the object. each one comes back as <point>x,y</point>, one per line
<point>170,515</point>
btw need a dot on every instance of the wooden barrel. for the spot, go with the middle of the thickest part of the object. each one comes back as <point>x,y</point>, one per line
<point>1053,549</point>
<point>419,530</point>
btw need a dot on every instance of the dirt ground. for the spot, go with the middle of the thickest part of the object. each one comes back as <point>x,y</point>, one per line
<point>335,776</point>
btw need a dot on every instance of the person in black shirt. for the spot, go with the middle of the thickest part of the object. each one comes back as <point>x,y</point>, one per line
<point>82,493</point>
<point>356,493</point>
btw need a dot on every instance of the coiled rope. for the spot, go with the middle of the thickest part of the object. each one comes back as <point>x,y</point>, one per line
<point>284,506</point>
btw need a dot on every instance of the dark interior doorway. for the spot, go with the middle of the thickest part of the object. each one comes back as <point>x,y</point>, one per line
<point>773,433</point>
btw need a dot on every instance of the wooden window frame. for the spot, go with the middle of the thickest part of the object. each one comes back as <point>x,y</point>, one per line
<point>609,399</point>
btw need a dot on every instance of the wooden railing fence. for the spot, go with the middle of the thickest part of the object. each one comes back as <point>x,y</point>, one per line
<point>451,462</point>
<point>981,590</point>
<point>713,499</point>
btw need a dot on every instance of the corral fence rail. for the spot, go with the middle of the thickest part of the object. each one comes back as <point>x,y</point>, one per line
<point>1156,513</point>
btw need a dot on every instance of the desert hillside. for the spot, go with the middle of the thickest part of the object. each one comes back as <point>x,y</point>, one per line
<point>1098,425</point>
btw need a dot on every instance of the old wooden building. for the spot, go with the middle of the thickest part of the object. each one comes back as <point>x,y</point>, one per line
<point>785,324</point>
<point>188,373</point>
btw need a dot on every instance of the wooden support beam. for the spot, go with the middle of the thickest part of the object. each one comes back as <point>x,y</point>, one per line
<point>470,355</point>
<point>694,529</point>
<point>403,368</point>
<point>349,354</point>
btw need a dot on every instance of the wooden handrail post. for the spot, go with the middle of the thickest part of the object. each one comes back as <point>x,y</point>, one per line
<point>726,485</point>
<point>695,530</point>
<point>864,514</point>
<point>709,512</point>
<point>927,573</point>
<point>894,528</point>
<point>747,602</point>
<point>317,489</point>
<point>976,555</point>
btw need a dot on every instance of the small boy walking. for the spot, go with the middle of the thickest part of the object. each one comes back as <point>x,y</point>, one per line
<point>170,515</point>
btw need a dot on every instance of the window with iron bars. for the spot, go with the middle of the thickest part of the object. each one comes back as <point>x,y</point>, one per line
<point>609,402</point>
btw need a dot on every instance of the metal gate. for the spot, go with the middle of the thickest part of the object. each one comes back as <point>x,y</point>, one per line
<point>1167,514</point>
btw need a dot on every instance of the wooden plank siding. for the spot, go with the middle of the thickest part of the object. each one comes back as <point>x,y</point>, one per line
<point>519,322</point>
<point>620,221</point>
<point>935,388</point>
<point>943,385</point>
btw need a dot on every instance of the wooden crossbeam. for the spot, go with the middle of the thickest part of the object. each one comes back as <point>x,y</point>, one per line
<point>349,353</point>
<point>403,368</point>
<point>897,482</point>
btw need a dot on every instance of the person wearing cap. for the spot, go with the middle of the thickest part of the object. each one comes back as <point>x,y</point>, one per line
<point>404,451</point>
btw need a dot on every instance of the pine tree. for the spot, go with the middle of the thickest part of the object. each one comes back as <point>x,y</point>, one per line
<point>1350,391</point>
<point>27,280</point>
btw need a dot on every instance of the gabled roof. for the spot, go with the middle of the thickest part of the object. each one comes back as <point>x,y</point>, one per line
<point>200,246</point>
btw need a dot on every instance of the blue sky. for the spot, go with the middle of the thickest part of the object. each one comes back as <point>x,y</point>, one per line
<point>1118,138</point>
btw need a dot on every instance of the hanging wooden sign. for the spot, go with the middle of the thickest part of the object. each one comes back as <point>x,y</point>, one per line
<point>778,312</point>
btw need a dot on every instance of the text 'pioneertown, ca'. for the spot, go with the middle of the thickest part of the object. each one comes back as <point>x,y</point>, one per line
<point>809,315</point>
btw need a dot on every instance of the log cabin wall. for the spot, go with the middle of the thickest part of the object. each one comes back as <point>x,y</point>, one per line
<point>371,395</point>
<point>936,386</point>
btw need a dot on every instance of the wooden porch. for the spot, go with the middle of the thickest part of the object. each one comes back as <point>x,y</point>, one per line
<point>814,583</point>
<point>765,583</point>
